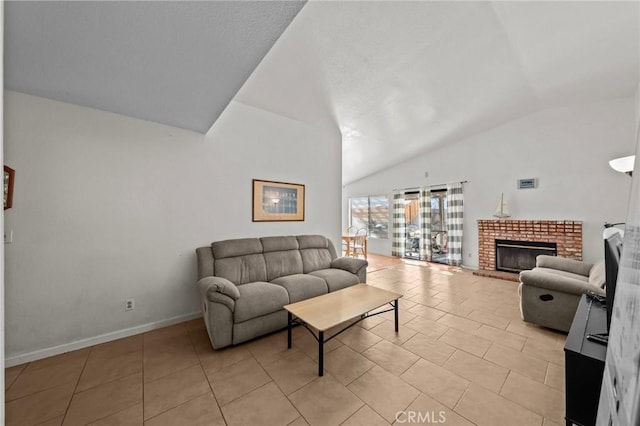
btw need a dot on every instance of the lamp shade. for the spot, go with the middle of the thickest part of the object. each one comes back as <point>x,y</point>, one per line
<point>623,164</point>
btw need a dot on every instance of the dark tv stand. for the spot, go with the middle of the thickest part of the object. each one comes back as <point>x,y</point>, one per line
<point>584,363</point>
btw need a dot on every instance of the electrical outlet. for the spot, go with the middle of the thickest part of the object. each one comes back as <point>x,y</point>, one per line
<point>129,305</point>
<point>8,236</point>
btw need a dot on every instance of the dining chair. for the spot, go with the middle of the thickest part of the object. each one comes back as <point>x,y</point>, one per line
<point>360,242</point>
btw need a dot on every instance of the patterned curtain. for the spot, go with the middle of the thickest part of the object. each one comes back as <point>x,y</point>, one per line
<point>398,225</point>
<point>455,216</point>
<point>425,219</point>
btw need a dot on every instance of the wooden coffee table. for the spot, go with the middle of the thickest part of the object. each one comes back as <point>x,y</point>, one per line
<point>329,310</point>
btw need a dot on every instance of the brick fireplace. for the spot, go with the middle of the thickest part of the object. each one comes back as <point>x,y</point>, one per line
<point>567,235</point>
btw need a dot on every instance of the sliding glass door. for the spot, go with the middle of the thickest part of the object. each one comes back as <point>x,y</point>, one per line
<point>439,237</point>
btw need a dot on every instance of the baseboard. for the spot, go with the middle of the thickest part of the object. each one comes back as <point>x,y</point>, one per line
<point>103,338</point>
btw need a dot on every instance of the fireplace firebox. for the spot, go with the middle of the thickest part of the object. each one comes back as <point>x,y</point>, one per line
<point>516,256</point>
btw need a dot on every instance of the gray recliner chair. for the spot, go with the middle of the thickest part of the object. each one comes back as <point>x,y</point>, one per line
<point>550,292</point>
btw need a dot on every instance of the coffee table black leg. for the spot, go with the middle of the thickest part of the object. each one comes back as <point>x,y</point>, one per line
<point>289,321</point>
<point>321,353</point>
<point>395,311</point>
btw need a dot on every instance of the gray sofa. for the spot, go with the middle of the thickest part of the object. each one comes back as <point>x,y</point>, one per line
<point>550,292</point>
<point>244,283</point>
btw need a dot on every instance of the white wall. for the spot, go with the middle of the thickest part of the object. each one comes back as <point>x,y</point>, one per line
<point>566,149</point>
<point>108,208</point>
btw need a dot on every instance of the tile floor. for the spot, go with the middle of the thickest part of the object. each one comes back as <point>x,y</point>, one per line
<point>462,355</point>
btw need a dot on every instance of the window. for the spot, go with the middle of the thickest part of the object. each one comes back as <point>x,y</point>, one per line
<point>371,213</point>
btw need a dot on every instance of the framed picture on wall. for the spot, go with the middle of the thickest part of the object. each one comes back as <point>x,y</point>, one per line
<point>9,175</point>
<point>277,201</point>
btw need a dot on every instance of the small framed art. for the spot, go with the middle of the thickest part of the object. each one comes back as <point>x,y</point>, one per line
<point>9,176</point>
<point>277,201</point>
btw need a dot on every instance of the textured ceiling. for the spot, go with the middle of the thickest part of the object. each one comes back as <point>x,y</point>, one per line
<point>397,78</point>
<point>402,78</point>
<point>173,62</point>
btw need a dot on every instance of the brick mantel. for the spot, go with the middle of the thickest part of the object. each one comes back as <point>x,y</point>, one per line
<point>567,234</point>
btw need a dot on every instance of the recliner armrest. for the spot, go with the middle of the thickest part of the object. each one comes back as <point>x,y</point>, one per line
<point>349,264</point>
<point>221,290</point>
<point>564,264</point>
<point>556,282</point>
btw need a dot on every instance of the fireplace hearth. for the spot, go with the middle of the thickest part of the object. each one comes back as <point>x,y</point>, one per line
<point>516,256</point>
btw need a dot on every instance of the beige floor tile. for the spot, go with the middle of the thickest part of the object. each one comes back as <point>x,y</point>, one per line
<point>427,327</point>
<point>467,342</point>
<point>172,390</point>
<point>300,421</point>
<point>427,312</point>
<point>429,349</point>
<point>532,331</point>
<point>404,316</point>
<point>371,322</point>
<point>164,356</point>
<point>427,298</point>
<point>54,422</point>
<point>535,396</point>
<point>489,319</point>
<point>502,337</point>
<point>131,416</point>
<point>387,331</point>
<point>292,371</point>
<point>11,374</point>
<point>325,401</point>
<point>264,406</point>
<point>383,392</point>
<point>391,357</point>
<point>426,410</point>
<point>103,370</point>
<point>74,357</point>
<point>195,324</point>
<point>365,416</point>
<point>548,422</point>
<point>117,347</point>
<point>437,382</point>
<point>269,348</point>
<point>509,311</point>
<point>307,344</point>
<point>459,323</point>
<point>213,360</point>
<point>555,377</point>
<point>47,377</point>
<point>485,408</point>
<point>237,380</point>
<point>39,407</point>
<point>104,400</point>
<point>359,339</point>
<point>345,364</point>
<point>527,365</point>
<point>477,370</point>
<point>201,411</point>
<point>454,309</point>
<point>544,350</point>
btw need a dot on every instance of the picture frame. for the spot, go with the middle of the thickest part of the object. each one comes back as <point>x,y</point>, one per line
<point>9,177</point>
<point>277,201</point>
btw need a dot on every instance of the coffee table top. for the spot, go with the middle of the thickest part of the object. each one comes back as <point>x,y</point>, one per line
<point>328,310</point>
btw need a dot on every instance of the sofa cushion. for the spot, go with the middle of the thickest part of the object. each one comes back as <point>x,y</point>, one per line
<point>233,248</point>
<point>336,278</point>
<point>279,243</point>
<point>282,263</point>
<point>302,286</point>
<point>242,269</point>
<point>312,241</point>
<point>314,259</point>
<point>259,298</point>
<point>597,275</point>
<point>583,278</point>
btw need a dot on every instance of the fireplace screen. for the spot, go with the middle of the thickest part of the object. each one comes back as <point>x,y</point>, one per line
<point>516,256</point>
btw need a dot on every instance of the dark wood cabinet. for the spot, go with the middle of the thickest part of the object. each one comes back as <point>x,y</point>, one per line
<point>584,363</point>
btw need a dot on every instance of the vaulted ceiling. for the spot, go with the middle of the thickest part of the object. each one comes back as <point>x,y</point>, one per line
<point>397,78</point>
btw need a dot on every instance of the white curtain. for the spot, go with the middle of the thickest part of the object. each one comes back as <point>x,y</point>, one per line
<point>455,217</point>
<point>398,225</point>
<point>425,224</point>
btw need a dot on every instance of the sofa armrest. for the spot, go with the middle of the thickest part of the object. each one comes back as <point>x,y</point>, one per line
<point>558,283</point>
<point>349,264</point>
<point>564,264</point>
<point>221,290</point>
